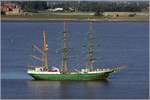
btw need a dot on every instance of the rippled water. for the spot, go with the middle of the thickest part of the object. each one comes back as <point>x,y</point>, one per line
<point>115,43</point>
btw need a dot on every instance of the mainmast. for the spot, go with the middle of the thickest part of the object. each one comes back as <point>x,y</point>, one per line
<point>45,49</point>
<point>65,57</point>
<point>90,47</point>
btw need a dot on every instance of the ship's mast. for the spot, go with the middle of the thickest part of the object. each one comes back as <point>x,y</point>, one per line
<point>45,49</point>
<point>65,57</point>
<point>90,47</point>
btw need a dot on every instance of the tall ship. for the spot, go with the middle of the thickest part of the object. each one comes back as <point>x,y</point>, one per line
<point>55,73</point>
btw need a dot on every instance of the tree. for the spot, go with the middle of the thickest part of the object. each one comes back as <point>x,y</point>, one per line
<point>34,6</point>
<point>98,12</point>
<point>2,13</point>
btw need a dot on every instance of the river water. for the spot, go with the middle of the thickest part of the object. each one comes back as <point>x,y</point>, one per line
<point>115,43</point>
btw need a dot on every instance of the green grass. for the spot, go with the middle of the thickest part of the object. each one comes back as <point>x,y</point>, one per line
<point>52,16</point>
<point>78,17</point>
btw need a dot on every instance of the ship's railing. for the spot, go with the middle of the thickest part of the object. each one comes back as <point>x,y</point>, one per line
<point>96,70</point>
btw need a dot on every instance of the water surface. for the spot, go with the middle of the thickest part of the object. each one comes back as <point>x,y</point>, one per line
<point>115,43</point>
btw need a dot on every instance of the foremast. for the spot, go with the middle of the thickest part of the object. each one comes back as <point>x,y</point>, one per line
<point>45,50</point>
<point>65,51</point>
<point>90,59</point>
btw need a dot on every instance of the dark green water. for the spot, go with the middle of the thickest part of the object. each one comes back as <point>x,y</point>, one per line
<point>115,43</point>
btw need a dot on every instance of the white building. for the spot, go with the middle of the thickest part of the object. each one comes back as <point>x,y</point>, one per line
<point>56,9</point>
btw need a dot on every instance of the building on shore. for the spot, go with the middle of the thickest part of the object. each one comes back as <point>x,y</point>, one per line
<point>56,9</point>
<point>11,9</point>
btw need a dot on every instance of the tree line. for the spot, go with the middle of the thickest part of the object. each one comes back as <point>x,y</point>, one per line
<point>84,6</point>
<point>113,6</point>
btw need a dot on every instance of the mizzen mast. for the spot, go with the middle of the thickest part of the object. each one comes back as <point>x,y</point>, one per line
<point>90,48</point>
<point>65,51</point>
<point>45,49</point>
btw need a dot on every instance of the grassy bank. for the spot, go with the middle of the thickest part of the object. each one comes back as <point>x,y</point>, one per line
<point>72,18</point>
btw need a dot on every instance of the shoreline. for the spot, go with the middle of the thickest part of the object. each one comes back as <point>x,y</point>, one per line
<point>73,20</point>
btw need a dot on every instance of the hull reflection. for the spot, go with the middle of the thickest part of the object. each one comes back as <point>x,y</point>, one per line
<point>66,89</point>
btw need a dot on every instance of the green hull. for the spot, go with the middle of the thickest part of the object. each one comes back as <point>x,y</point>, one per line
<point>93,76</point>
